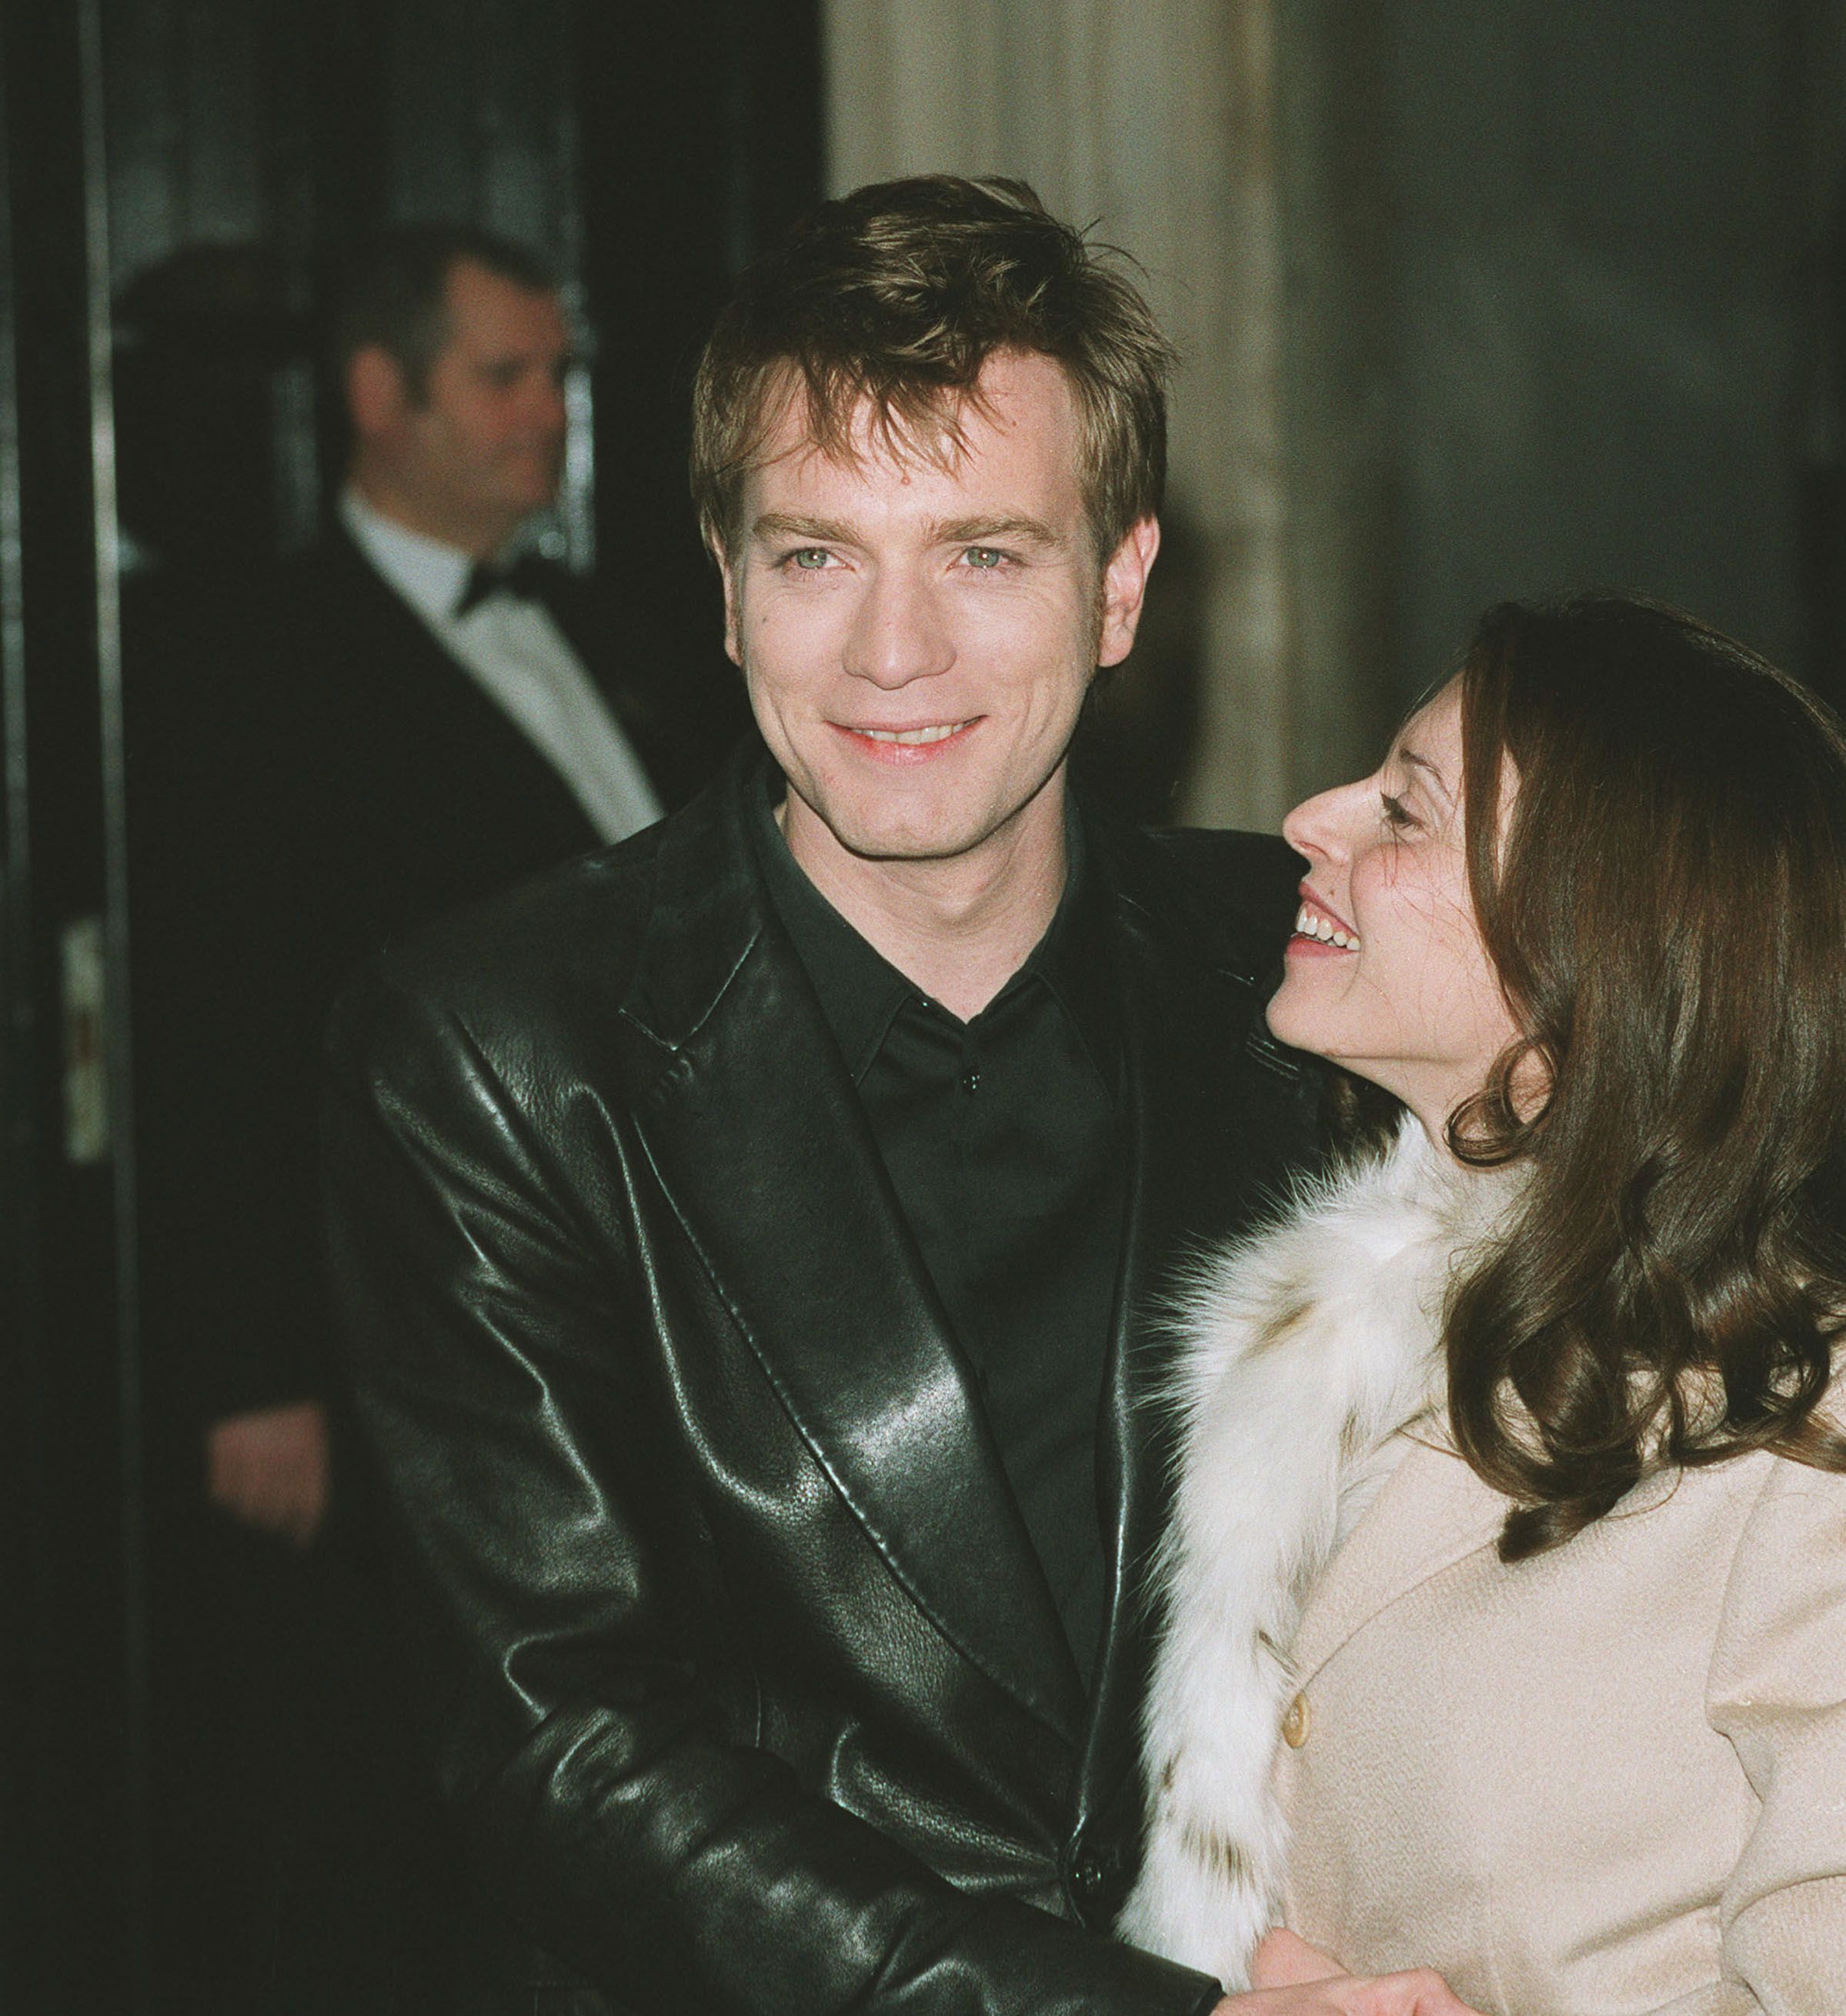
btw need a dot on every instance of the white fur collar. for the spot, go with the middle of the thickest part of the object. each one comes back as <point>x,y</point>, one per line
<point>1304,1350</point>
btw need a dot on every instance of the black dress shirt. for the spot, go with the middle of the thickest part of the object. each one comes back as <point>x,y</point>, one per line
<point>1001,1137</point>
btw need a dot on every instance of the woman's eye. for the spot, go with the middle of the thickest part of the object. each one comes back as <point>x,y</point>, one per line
<point>1397,815</point>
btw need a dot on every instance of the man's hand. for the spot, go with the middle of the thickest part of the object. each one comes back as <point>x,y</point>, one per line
<point>269,1469</point>
<point>1292,1979</point>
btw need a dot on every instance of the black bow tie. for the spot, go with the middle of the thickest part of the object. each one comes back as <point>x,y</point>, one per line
<point>524,577</point>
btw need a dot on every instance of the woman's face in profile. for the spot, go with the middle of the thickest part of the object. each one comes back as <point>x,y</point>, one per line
<point>1387,974</point>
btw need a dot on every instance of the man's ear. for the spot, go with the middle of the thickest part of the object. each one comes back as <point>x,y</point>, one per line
<point>376,393</point>
<point>733,633</point>
<point>1124,586</point>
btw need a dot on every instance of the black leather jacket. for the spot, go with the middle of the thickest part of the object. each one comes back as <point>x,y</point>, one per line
<point>745,1687</point>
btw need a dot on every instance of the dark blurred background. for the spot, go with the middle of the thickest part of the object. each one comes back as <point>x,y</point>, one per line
<point>179,180</point>
<point>1476,297</point>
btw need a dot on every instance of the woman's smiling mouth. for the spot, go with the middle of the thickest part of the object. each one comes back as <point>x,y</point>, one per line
<point>1316,926</point>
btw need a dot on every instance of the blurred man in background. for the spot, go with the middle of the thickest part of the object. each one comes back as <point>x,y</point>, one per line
<point>454,716</point>
<point>324,750</point>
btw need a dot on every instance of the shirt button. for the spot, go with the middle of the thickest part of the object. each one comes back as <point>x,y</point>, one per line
<point>1294,1724</point>
<point>970,1081</point>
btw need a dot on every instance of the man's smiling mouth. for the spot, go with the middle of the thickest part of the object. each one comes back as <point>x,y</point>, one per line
<point>918,743</point>
<point>912,738</point>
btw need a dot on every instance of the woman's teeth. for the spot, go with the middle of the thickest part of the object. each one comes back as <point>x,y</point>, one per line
<point>1309,923</point>
<point>910,736</point>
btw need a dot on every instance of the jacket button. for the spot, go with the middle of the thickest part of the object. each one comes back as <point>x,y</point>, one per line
<point>1086,1873</point>
<point>1294,1724</point>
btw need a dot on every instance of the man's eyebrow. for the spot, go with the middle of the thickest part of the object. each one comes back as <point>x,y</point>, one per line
<point>787,525</point>
<point>1415,762</point>
<point>979,531</point>
<point>528,360</point>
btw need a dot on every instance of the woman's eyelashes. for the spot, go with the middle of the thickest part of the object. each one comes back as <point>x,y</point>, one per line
<point>1397,815</point>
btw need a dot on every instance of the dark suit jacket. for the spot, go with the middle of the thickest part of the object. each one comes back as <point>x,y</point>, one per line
<point>743,1681</point>
<point>311,776</point>
<point>420,792</point>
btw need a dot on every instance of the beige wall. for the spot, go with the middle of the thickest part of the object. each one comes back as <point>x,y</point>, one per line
<point>1157,120</point>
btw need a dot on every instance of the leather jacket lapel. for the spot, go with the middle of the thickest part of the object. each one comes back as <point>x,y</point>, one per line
<point>1220,1116</point>
<point>795,1220</point>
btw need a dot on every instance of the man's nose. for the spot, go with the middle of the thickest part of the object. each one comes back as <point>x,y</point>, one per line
<point>543,407</point>
<point>899,633</point>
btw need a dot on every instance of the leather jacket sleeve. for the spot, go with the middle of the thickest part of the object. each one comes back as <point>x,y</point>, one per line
<point>498,1328</point>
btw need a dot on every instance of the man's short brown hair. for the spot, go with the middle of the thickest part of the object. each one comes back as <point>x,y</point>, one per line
<point>394,292</point>
<point>896,295</point>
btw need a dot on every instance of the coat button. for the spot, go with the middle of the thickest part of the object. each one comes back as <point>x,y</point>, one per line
<point>1086,1873</point>
<point>1294,1724</point>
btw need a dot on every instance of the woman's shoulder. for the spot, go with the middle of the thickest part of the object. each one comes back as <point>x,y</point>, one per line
<point>1779,1648</point>
<point>1773,1487</point>
<point>1759,1480</point>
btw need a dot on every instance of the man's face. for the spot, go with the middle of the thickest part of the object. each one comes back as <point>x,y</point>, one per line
<point>484,446</point>
<point>917,640</point>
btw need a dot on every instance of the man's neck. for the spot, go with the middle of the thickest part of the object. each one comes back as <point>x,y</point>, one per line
<point>959,929</point>
<point>479,540</point>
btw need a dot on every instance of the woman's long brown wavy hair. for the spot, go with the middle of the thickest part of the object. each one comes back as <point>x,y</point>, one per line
<point>1665,904</point>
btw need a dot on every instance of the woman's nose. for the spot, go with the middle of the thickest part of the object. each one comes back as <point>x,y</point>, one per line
<point>1316,826</point>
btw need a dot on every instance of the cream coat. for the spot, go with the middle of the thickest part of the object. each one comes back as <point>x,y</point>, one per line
<point>1609,1781</point>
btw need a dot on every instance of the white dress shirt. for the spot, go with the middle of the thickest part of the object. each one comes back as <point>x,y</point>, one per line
<point>520,658</point>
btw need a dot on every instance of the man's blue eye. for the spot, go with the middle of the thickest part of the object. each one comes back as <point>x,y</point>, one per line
<point>984,558</point>
<point>809,558</point>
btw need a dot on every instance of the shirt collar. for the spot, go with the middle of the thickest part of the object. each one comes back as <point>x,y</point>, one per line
<point>861,992</point>
<point>1073,957</point>
<point>429,574</point>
